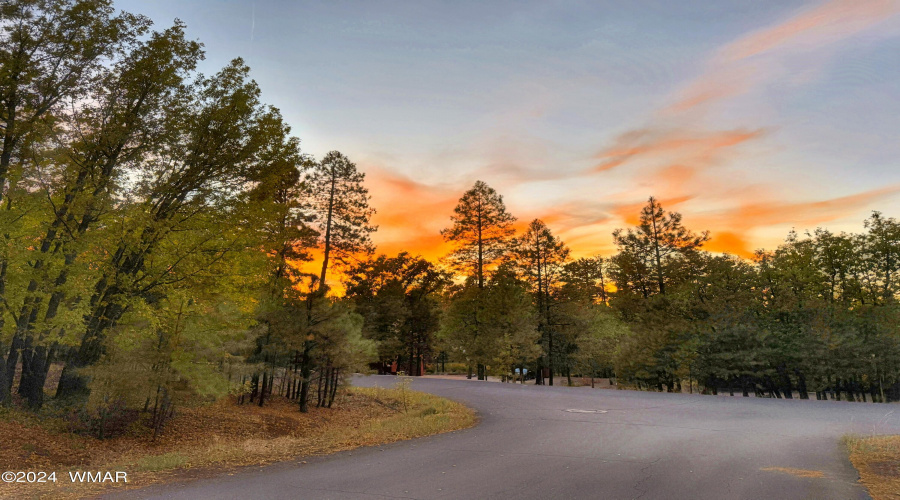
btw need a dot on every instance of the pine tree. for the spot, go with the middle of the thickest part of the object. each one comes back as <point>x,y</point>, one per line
<point>541,256</point>
<point>481,231</point>
<point>658,241</point>
<point>340,203</point>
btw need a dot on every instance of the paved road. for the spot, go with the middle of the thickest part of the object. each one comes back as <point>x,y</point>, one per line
<point>645,445</point>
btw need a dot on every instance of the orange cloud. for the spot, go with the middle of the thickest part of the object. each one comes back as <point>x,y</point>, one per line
<point>729,242</point>
<point>693,150</point>
<point>834,19</point>
<point>410,214</point>
<point>752,215</point>
<point>571,215</point>
<point>430,246</point>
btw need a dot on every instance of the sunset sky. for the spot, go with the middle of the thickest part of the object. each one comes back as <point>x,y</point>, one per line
<point>750,118</point>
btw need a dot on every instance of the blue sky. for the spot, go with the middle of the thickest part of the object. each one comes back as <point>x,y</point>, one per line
<point>748,117</point>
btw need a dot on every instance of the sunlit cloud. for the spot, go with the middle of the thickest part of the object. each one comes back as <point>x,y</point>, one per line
<point>730,242</point>
<point>683,153</point>
<point>753,214</point>
<point>410,214</point>
<point>762,56</point>
<point>674,155</point>
<point>825,23</point>
<point>692,149</point>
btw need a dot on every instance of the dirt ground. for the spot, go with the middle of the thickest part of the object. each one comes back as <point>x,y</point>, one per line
<point>213,439</point>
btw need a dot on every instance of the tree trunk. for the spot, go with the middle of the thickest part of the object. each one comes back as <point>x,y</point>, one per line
<point>334,386</point>
<point>319,391</point>
<point>40,366</point>
<point>12,361</point>
<point>659,274</point>
<point>550,354</point>
<point>786,385</point>
<point>262,392</point>
<point>801,383</point>
<point>254,386</point>
<point>480,250</point>
<point>4,387</point>
<point>305,368</point>
<point>328,222</point>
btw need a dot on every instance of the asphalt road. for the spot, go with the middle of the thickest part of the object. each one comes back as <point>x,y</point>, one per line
<point>527,445</point>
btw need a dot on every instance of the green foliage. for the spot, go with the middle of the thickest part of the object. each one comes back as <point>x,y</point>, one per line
<point>399,299</point>
<point>597,334</point>
<point>164,213</point>
<point>814,315</point>
<point>494,326</point>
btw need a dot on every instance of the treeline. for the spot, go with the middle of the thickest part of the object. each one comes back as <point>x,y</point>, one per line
<point>816,316</point>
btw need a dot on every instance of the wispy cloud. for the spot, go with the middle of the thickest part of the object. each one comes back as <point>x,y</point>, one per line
<point>699,149</point>
<point>751,214</point>
<point>757,58</point>
<point>678,155</point>
<point>674,153</point>
<point>747,215</point>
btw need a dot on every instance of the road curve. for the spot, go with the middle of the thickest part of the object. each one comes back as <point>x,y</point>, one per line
<point>527,445</point>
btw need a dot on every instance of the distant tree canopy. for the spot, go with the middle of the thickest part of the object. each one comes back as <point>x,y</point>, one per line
<point>399,297</point>
<point>815,315</point>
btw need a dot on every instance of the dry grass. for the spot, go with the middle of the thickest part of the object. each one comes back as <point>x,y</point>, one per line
<point>796,472</point>
<point>877,458</point>
<point>210,440</point>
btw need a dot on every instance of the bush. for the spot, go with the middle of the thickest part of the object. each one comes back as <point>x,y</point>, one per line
<point>451,368</point>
